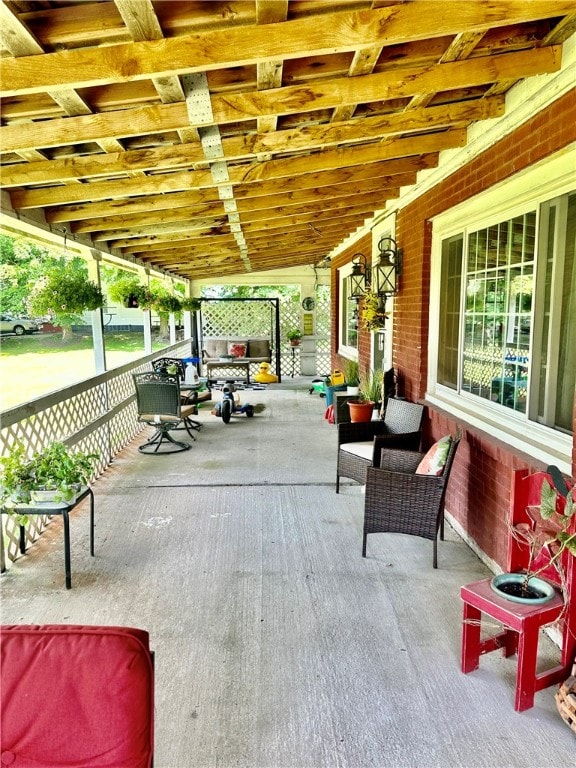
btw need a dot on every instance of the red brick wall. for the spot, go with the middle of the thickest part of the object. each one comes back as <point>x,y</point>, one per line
<point>479,492</point>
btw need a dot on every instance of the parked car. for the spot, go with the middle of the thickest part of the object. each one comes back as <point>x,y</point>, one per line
<point>18,325</point>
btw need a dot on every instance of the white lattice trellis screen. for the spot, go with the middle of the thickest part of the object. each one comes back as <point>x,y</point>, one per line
<point>96,416</point>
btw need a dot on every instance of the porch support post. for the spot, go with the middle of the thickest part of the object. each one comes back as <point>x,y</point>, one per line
<point>308,343</point>
<point>97,316</point>
<point>147,320</point>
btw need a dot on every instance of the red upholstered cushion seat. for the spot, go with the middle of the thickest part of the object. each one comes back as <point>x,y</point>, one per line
<point>76,696</point>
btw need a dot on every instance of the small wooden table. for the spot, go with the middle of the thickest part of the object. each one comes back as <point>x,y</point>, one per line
<point>521,627</point>
<point>54,508</point>
<point>240,364</point>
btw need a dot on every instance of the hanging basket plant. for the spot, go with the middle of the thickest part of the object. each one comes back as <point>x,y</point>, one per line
<point>168,303</point>
<point>191,304</point>
<point>373,315</point>
<point>126,290</point>
<point>146,298</point>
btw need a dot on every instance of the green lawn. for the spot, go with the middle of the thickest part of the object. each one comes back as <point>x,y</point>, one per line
<point>31,366</point>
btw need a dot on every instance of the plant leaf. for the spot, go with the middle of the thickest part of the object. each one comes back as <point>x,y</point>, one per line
<point>547,500</point>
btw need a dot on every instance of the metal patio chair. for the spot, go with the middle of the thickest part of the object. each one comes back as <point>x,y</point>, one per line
<point>187,396</point>
<point>159,405</point>
<point>360,444</point>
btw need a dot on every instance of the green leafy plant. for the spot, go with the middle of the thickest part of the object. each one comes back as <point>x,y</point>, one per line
<point>168,303</point>
<point>372,314</point>
<point>294,334</point>
<point>125,289</point>
<point>147,298</point>
<point>191,304</point>
<point>371,386</point>
<point>352,373</point>
<point>64,293</point>
<point>551,531</point>
<point>55,468</point>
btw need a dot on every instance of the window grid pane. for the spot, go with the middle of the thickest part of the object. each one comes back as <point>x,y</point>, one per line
<point>497,318</point>
<point>349,316</point>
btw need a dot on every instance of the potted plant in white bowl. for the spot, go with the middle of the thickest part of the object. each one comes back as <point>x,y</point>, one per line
<point>352,375</point>
<point>55,473</point>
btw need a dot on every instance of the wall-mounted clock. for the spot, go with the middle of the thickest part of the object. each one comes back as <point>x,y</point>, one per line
<point>308,303</point>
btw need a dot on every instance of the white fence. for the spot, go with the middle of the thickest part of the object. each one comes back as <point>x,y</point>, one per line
<point>97,415</point>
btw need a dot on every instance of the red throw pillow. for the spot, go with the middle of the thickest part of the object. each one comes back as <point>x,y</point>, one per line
<point>237,349</point>
<point>434,461</point>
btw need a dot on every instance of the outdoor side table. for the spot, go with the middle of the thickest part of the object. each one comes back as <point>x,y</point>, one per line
<point>56,508</point>
<point>521,627</point>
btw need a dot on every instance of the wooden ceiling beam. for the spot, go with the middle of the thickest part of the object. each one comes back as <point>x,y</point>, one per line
<point>315,198</point>
<point>328,160</point>
<point>252,145</point>
<point>335,160</point>
<point>237,46</point>
<point>397,83</point>
<point>388,173</point>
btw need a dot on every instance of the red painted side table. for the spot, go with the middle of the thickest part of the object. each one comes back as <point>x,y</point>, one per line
<point>521,623</point>
<point>521,627</point>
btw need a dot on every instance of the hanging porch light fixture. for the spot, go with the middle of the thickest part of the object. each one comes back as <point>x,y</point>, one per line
<point>384,283</point>
<point>388,268</point>
<point>359,277</point>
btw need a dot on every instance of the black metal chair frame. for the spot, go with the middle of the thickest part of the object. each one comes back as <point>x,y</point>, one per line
<point>159,404</point>
<point>400,429</point>
<point>399,501</point>
<point>159,366</point>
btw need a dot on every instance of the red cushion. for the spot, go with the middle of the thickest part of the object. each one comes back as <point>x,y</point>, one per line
<point>435,459</point>
<point>76,696</point>
<point>237,348</point>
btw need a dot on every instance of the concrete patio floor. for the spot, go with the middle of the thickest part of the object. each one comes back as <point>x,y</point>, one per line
<point>277,645</point>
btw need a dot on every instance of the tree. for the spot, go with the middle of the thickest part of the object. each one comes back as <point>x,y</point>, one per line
<point>22,264</point>
<point>64,293</point>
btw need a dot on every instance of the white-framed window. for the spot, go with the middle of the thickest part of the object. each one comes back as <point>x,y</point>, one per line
<point>348,316</point>
<point>504,308</point>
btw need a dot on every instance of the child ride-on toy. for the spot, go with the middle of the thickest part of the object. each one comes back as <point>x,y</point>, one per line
<point>230,404</point>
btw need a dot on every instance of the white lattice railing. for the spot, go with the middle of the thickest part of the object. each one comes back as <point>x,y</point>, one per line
<point>97,415</point>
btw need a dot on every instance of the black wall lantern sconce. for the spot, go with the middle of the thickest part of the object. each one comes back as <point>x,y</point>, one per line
<point>388,268</point>
<point>359,277</point>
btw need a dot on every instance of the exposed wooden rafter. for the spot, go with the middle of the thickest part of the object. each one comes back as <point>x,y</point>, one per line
<point>257,134</point>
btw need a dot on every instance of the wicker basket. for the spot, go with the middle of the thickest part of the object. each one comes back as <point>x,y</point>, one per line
<point>566,700</point>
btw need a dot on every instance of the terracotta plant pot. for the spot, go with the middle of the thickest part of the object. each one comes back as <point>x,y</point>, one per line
<point>360,411</point>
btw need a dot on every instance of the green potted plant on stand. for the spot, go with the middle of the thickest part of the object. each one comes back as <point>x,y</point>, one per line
<point>294,336</point>
<point>55,473</point>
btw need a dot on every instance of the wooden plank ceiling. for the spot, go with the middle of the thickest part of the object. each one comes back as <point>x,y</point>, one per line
<point>216,138</point>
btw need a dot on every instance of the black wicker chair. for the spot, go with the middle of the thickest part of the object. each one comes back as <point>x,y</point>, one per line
<point>360,444</point>
<point>400,501</point>
<point>159,405</point>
